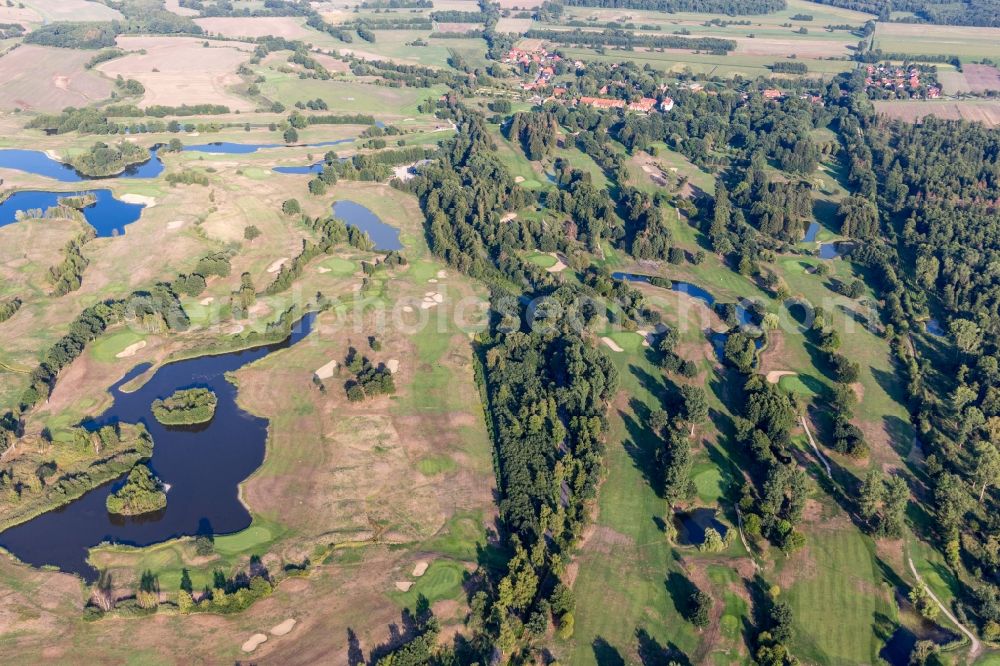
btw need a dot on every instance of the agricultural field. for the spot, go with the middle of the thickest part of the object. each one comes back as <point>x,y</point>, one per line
<point>964,42</point>
<point>181,70</point>
<point>984,111</point>
<point>45,79</point>
<point>279,26</point>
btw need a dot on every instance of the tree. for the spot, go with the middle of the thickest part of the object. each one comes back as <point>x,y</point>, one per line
<point>291,135</point>
<point>251,232</point>
<point>291,207</point>
<point>186,581</point>
<point>921,599</point>
<point>695,407</point>
<point>699,608</point>
<point>986,471</point>
<point>870,497</point>
<point>966,334</point>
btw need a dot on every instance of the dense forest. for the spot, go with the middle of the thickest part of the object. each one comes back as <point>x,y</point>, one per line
<point>728,7</point>
<point>966,12</point>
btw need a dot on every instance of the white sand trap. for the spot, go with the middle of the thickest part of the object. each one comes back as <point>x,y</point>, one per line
<point>176,224</point>
<point>235,329</point>
<point>508,217</point>
<point>322,269</point>
<point>393,365</point>
<point>438,298</point>
<point>404,585</point>
<point>775,376</point>
<point>426,305</point>
<point>612,345</point>
<point>407,308</point>
<point>253,642</point>
<point>283,628</point>
<point>326,371</point>
<point>420,569</point>
<point>206,301</point>
<point>559,266</point>
<point>647,338</point>
<point>433,280</point>
<point>276,265</point>
<point>442,274</point>
<point>148,202</point>
<point>519,179</point>
<point>131,349</point>
<point>53,155</point>
<point>194,134</point>
<point>429,294</point>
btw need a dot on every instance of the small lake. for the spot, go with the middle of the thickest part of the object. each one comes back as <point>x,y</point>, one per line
<point>232,148</point>
<point>835,249</point>
<point>811,232</point>
<point>385,237</point>
<point>691,526</point>
<point>109,216</point>
<point>310,168</point>
<point>692,290</point>
<point>933,326</point>
<point>203,466</point>
<point>40,164</point>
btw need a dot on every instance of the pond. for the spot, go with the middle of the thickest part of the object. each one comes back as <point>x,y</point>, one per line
<point>203,466</point>
<point>811,232</point>
<point>107,215</point>
<point>39,163</point>
<point>835,249</point>
<point>933,326</point>
<point>309,168</point>
<point>232,148</point>
<point>691,526</point>
<point>385,237</point>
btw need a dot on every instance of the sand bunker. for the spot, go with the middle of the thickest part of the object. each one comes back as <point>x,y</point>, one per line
<point>519,179</point>
<point>206,301</point>
<point>420,569</point>
<point>508,217</point>
<point>612,345</point>
<point>326,371</point>
<point>253,642</point>
<point>775,376</point>
<point>433,280</point>
<point>431,298</point>
<point>148,202</point>
<point>176,224</point>
<point>322,269</point>
<point>560,264</point>
<point>131,349</point>
<point>276,265</point>
<point>647,338</point>
<point>53,155</point>
<point>393,365</point>
<point>283,628</point>
<point>404,585</point>
<point>442,274</point>
<point>407,308</point>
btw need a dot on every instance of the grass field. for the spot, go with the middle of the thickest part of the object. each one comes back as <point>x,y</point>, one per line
<point>923,39</point>
<point>49,79</point>
<point>984,111</point>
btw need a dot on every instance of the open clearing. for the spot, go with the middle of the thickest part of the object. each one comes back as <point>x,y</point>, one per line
<point>288,27</point>
<point>179,70</point>
<point>980,78</point>
<point>42,78</point>
<point>175,7</point>
<point>984,111</point>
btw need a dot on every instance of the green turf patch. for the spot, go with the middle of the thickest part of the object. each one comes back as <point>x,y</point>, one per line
<point>442,580</point>
<point>708,482</point>
<point>436,465</point>
<point>106,347</point>
<point>340,266</point>
<point>252,536</point>
<point>803,385</point>
<point>543,260</point>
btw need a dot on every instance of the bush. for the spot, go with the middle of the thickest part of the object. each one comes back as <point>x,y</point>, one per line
<point>142,493</point>
<point>186,407</point>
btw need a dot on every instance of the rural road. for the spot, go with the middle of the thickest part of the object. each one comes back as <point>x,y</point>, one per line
<point>822,459</point>
<point>977,647</point>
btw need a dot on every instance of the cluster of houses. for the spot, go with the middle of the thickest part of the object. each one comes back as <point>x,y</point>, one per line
<point>891,77</point>
<point>543,61</point>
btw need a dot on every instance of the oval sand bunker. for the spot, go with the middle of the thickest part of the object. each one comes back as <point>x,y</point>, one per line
<point>283,628</point>
<point>253,642</point>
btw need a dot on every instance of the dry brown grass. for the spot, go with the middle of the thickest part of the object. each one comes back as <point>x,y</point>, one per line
<point>175,7</point>
<point>180,70</point>
<point>73,10</point>
<point>982,77</point>
<point>288,27</point>
<point>984,111</point>
<point>802,48</point>
<point>40,78</point>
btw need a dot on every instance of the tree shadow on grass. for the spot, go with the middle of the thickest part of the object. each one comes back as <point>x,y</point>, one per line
<point>651,653</point>
<point>680,590</point>
<point>606,654</point>
<point>642,444</point>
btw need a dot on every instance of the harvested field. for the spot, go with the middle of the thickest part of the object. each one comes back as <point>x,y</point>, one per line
<point>72,10</point>
<point>288,27</point>
<point>457,27</point>
<point>514,25</point>
<point>953,82</point>
<point>984,111</point>
<point>981,78</point>
<point>516,4</point>
<point>179,70</point>
<point>22,15</point>
<point>40,78</point>
<point>801,48</point>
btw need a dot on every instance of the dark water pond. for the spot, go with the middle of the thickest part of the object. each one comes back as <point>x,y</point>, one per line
<point>203,466</point>
<point>834,249</point>
<point>385,237</point>
<point>934,327</point>
<point>37,162</point>
<point>232,148</point>
<point>108,215</point>
<point>691,526</point>
<point>811,232</point>
<point>310,168</point>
